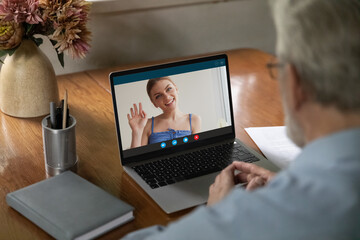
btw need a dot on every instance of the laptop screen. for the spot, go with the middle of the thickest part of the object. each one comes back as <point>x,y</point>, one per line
<point>171,107</point>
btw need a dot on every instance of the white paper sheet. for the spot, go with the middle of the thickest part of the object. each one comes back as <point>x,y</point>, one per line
<point>274,144</point>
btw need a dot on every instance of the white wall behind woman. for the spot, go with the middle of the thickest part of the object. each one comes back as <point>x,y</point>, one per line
<point>138,31</point>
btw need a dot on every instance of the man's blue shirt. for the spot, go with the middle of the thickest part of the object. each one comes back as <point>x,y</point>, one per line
<point>317,197</point>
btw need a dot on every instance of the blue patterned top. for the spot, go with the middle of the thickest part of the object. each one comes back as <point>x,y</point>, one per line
<point>156,137</point>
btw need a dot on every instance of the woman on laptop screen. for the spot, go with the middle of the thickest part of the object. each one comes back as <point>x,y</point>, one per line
<point>171,124</point>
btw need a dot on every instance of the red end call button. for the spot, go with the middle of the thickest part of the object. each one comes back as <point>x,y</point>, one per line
<point>196,137</point>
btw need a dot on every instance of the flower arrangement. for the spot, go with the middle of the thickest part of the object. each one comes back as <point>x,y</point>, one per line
<point>62,21</point>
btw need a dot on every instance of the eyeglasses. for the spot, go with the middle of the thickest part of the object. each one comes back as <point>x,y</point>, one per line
<point>273,67</point>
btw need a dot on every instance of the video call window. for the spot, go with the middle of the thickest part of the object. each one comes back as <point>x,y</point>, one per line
<point>201,93</point>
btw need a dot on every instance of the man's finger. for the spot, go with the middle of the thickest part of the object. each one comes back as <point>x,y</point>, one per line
<point>244,177</point>
<point>251,177</point>
<point>217,179</point>
<point>253,169</point>
<point>255,183</point>
<point>227,172</point>
<point>229,169</point>
<point>241,177</point>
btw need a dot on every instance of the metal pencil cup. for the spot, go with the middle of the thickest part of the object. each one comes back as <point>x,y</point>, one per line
<point>59,147</point>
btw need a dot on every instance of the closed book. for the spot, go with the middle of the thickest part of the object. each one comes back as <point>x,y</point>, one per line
<point>69,207</point>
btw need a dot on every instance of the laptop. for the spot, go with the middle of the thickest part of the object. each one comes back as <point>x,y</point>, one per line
<point>176,171</point>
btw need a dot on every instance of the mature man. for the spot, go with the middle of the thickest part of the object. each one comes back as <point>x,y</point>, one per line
<point>318,196</point>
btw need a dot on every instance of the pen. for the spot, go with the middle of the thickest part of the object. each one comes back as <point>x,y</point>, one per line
<point>52,115</point>
<point>59,117</point>
<point>64,110</point>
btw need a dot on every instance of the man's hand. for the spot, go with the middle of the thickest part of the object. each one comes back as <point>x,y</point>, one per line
<point>224,183</point>
<point>251,174</point>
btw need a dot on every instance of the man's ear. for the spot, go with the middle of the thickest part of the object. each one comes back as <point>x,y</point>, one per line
<point>297,90</point>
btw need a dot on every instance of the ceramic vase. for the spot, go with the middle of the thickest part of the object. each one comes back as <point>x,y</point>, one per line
<point>27,82</point>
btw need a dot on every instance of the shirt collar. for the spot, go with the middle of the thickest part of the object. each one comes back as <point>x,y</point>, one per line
<point>333,147</point>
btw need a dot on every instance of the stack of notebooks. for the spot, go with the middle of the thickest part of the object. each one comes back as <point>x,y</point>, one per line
<point>69,207</point>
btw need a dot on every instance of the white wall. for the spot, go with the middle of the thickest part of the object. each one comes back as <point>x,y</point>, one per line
<point>144,30</point>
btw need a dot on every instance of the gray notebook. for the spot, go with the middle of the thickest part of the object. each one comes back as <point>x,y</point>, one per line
<point>69,207</point>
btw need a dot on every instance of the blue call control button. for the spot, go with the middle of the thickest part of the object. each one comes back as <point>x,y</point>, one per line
<point>162,145</point>
<point>185,139</point>
<point>174,142</point>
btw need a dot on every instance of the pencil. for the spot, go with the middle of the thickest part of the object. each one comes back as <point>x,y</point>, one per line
<point>65,110</point>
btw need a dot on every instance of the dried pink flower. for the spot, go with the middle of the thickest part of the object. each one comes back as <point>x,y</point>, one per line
<point>62,21</point>
<point>21,11</point>
<point>73,40</point>
<point>69,23</point>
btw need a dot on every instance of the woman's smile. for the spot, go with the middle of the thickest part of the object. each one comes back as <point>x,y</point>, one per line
<point>170,102</point>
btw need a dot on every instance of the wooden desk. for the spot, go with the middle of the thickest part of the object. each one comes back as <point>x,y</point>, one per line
<point>256,103</point>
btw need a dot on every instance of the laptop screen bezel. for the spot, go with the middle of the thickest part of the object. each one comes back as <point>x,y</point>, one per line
<point>174,149</point>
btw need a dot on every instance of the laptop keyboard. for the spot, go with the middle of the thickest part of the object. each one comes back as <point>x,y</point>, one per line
<point>191,165</point>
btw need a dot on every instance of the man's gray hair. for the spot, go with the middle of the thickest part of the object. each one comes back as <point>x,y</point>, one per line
<point>321,38</point>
